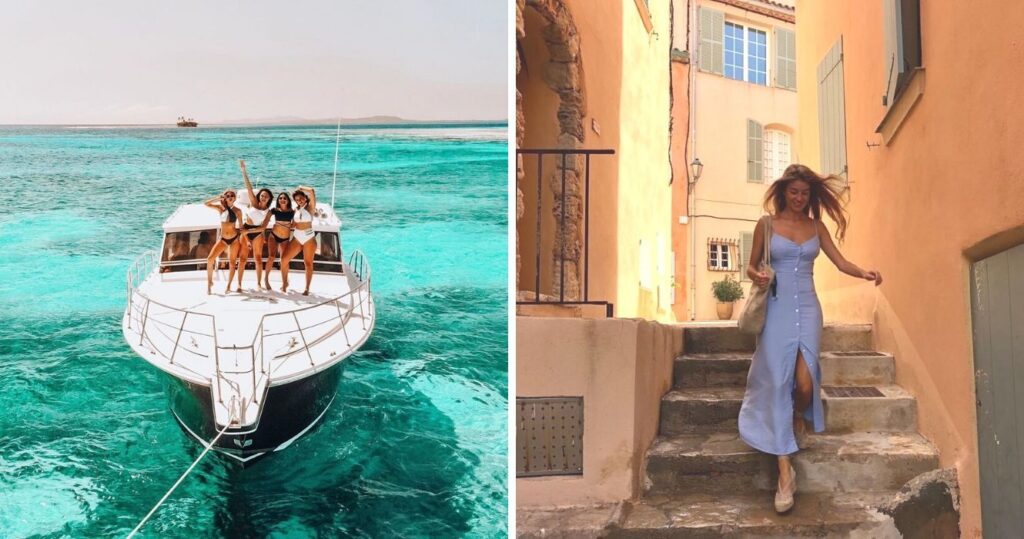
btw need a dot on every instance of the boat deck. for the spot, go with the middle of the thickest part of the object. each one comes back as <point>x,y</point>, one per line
<point>249,338</point>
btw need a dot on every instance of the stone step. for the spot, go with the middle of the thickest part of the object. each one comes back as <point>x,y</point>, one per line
<point>730,369</point>
<point>723,463</point>
<point>717,337</point>
<point>715,409</point>
<point>753,515</point>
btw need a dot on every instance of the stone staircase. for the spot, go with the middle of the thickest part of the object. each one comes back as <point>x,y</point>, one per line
<point>703,481</point>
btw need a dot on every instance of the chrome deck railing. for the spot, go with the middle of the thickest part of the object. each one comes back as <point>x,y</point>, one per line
<point>163,326</point>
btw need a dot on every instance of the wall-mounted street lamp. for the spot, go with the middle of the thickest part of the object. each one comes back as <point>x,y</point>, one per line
<point>696,167</point>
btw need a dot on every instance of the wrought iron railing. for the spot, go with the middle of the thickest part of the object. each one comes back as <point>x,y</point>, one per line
<point>162,326</point>
<point>558,220</point>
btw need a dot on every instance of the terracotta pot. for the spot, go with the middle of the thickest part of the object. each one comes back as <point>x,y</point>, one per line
<point>725,310</point>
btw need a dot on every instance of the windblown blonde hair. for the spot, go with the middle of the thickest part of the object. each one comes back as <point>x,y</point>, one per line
<point>829,192</point>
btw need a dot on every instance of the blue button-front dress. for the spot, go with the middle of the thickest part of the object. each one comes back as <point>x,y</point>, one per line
<point>793,322</point>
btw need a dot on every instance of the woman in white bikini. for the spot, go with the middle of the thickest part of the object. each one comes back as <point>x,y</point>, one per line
<point>280,235</point>
<point>256,217</point>
<point>230,216</point>
<point>304,239</point>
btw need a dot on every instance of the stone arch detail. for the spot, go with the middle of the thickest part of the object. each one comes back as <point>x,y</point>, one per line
<point>563,73</point>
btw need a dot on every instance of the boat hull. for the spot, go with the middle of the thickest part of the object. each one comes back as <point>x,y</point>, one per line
<point>288,412</point>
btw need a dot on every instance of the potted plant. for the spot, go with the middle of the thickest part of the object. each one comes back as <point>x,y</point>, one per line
<point>726,291</point>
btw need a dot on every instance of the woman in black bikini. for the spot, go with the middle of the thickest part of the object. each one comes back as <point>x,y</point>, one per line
<point>280,235</point>
<point>253,227</point>
<point>230,216</point>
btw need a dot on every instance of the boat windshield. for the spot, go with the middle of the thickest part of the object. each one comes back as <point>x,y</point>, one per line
<point>187,251</point>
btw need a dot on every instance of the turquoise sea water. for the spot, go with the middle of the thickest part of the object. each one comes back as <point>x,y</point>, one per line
<point>415,445</point>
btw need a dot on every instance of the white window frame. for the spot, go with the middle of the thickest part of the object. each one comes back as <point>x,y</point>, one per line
<point>768,72</point>
<point>773,165</point>
<point>716,248</point>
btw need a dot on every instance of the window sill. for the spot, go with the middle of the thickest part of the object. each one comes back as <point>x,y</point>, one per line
<point>900,109</point>
<point>645,14</point>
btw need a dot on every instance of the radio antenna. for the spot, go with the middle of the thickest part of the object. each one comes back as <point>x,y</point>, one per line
<point>334,182</point>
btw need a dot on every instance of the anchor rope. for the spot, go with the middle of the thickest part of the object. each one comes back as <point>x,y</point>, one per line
<point>184,475</point>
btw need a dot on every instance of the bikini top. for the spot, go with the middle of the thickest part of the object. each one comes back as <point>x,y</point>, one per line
<point>227,215</point>
<point>302,215</point>
<point>282,216</point>
<point>256,215</point>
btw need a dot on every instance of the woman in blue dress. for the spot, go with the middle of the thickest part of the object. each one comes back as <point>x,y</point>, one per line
<point>785,378</point>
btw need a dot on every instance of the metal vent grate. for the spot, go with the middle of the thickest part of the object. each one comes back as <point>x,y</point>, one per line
<point>852,391</point>
<point>549,436</point>
<point>852,354</point>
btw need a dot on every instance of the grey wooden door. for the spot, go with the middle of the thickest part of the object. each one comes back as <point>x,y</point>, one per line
<point>997,312</point>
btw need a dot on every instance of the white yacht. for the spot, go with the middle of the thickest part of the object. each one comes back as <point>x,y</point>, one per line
<point>261,366</point>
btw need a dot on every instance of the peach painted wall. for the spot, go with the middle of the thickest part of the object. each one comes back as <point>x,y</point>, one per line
<point>540,105</point>
<point>680,163</point>
<point>621,368</point>
<point>722,108</point>
<point>924,205</point>
<point>626,89</point>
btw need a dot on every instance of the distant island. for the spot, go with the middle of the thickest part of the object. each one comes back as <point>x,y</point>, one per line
<point>368,120</point>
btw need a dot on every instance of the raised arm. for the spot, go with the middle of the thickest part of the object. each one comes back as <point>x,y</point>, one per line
<point>312,196</point>
<point>216,203</point>
<point>248,184</point>
<point>837,258</point>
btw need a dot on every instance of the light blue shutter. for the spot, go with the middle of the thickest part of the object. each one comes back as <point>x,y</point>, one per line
<point>831,112</point>
<point>755,152</point>
<point>712,29</point>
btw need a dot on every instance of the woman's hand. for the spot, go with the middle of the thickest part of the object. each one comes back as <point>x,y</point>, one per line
<point>760,279</point>
<point>872,275</point>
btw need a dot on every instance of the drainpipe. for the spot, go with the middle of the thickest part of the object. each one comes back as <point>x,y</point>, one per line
<point>692,196</point>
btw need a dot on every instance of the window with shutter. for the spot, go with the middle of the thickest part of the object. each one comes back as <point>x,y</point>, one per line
<point>902,27</point>
<point>785,59</point>
<point>746,244</point>
<point>831,112</point>
<point>712,26</point>
<point>755,152</point>
<point>776,154</point>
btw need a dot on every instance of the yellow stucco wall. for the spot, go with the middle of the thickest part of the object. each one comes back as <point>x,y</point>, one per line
<point>644,237</point>
<point>923,205</point>
<point>625,82</point>
<point>722,108</point>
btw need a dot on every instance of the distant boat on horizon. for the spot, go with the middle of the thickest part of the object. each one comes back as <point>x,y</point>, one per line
<point>182,122</point>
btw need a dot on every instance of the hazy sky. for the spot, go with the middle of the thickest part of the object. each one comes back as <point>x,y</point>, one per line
<point>73,61</point>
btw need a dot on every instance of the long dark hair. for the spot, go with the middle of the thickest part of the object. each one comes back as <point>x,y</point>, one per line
<point>829,192</point>
<point>287,199</point>
<point>270,200</point>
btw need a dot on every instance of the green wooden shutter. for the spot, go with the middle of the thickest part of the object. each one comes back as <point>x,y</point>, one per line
<point>755,152</point>
<point>712,37</point>
<point>746,243</point>
<point>785,59</point>
<point>831,112</point>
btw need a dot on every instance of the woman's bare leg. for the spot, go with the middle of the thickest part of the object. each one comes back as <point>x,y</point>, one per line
<point>232,258</point>
<point>271,254</point>
<point>308,250</point>
<point>257,255</point>
<point>802,393</point>
<point>289,253</point>
<point>243,257</point>
<point>211,261</point>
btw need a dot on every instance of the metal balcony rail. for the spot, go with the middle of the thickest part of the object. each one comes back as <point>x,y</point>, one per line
<point>163,326</point>
<point>563,155</point>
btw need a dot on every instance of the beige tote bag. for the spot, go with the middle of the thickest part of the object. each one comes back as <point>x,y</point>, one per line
<point>752,318</point>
